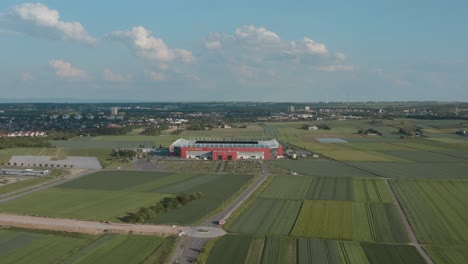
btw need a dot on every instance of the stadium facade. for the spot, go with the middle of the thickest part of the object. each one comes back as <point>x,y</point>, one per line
<point>226,149</point>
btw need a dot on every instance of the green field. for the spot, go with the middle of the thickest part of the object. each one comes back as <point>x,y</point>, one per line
<point>357,155</point>
<point>319,168</point>
<point>328,188</point>
<point>31,246</point>
<point>414,170</point>
<point>448,254</point>
<point>349,221</point>
<point>30,181</point>
<point>444,202</point>
<point>110,195</point>
<point>267,216</point>
<point>265,250</point>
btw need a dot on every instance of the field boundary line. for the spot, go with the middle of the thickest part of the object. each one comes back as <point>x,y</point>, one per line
<point>409,229</point>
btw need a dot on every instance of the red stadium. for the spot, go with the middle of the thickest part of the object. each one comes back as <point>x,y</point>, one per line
<point>230,149</point>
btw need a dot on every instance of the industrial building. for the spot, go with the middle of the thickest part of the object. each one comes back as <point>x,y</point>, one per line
<point>226,149</point>
<point>25,172</point>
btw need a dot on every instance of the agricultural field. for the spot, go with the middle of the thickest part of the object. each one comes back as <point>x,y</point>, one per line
<point>252,131</point>
<point>425,157</point>
<point>444,202</point>
<point>448,254</point>
<point>29,181</point>
<point>111,142</point>
<point>195,166</point>
<point>243,166</point>
<point>263,250</point>
<point>357,155</point>
<point>110,195</point>
<point>328,188</point>
<point>267,216</point>
<point>318,168</point>
<point>38,246</point>
<point>376,222</point>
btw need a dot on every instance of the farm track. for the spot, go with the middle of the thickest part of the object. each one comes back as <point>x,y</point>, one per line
<point>404,218</point>
<point>39,187</point>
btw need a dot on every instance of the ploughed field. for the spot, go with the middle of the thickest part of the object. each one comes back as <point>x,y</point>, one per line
<point>34,246</point>
<point>110,195</point>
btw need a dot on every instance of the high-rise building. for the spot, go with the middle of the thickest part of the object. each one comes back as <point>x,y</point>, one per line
<point>291,109</point>
<point>114,111</point>
<point>307,108</point>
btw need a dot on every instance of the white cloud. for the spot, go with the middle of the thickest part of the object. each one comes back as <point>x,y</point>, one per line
<point>65,69</point>
<point>156,76</point>
<point>340,56</point>
<point>336,68</point>
<point>139,39</point>
<point>40,17</point>
<point>309,46</point>
<point>257,34</point>
<point>115,77</point>
<point>213,44</point>
<point>26,76</point>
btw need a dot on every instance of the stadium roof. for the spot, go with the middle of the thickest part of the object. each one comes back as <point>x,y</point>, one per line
<point>226,143</point>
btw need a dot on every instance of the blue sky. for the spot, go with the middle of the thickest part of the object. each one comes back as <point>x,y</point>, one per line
<point>234,51</point>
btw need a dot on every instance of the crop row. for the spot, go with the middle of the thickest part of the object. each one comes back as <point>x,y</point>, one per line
<point>350,221</point>
<point>196,166</point>
<point>328,188</point>
<point>253,250</point>
<point>445,203</point>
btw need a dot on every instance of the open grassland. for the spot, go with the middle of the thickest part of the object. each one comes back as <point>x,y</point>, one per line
<point>11,187</point>
<point>414,170</point>
<point>267,216</point>
<point>38,246</point>
<point>196,166</point>
<point>270,249</point>
<point>436,209</point>
<point>448,254</point>
<point>319,168</point>
<point>349,221</point>
<point>110,195</point>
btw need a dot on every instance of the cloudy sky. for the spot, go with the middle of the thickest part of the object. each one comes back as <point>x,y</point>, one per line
<point>234,50</point>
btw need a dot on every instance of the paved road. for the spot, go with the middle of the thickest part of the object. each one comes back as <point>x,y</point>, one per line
<point>414,240</point>
<point>28,190</point>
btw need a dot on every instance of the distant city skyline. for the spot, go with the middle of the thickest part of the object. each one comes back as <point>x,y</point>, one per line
<point>270,51</point>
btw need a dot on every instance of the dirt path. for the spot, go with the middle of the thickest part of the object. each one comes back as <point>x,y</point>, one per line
<point>86,227</point>
<point>413,239</point>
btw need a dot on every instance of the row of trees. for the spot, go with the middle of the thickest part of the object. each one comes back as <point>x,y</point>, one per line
<point>167,203</point>
<point>319,126</point>
<point>369,131</point>
<point>24,142</point>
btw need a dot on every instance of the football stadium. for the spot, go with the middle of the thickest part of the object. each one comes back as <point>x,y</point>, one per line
<point>226,149</point>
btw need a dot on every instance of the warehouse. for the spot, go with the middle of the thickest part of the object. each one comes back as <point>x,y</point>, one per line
<point>226,149</point>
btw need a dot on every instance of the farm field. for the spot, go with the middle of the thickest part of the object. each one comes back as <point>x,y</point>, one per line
<point>318,168</point>
<point>414,169</point>
<point>243,166</point>
<point>38,246</point>
<point>357,155</point>
<point>444,202</point>
<point>110,195</point>
<point>267,216</point>
<point>328,188</point>
<point>252,131</point>
<point>30,181</point>
<point>448,254</point>
<point>424,156</point>
<point>270,249</point>
<point>341,220</point>
<point>195,166</point>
